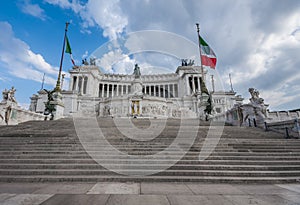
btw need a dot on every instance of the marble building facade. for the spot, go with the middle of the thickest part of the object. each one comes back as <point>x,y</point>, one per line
<point>179,94</point>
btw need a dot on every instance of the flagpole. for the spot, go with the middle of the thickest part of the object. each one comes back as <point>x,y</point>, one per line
<point>230,83</point>
<point>57,88</point>
<point>202,71</point>
<point>43,82</point>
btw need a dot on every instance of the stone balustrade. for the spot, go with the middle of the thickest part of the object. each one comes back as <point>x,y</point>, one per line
<point>19,115</point>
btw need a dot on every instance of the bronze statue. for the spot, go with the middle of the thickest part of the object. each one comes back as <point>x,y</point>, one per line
<point>187,62</point>
<point>49,108</point>
<point>92,61</point>
<point>136,72</point>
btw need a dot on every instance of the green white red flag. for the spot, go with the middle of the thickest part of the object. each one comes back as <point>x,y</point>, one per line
<point>69,50</point>
<point>208,57</point>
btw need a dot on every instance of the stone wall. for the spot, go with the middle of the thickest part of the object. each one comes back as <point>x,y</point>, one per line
<point>19,115</point>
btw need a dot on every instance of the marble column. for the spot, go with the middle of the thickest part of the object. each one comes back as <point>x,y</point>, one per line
<point>117,90</point>
<point>102,92</point>
<point>77,84</point>
<point>158,90</point>
<point>107,91</point>
<point>188,91</point>
<point>193,84</point>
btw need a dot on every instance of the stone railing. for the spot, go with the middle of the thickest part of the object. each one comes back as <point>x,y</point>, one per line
<point>282,116</point>
<point>19,115</point>
<point>290,128</point>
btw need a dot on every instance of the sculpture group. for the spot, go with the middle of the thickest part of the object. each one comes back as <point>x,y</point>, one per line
<point>7,103</point>
<point>256,109</point>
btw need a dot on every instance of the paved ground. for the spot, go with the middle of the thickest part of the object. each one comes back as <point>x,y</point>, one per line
<point>147,193</point>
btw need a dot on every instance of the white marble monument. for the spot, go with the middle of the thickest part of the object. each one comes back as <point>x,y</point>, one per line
<point>179,94</point>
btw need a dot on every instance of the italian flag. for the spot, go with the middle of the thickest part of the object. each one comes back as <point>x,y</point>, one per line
<point>208,57</point>
<point>68,50</point>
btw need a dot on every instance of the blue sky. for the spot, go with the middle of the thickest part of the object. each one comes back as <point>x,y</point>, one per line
<point>257,41</point>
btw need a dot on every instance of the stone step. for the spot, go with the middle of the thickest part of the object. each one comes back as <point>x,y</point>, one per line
<point>121,158</point>
<point>129,171</point>
<point>228,153</point>
<point>255,151</point>
<point>150,162</point>
<point>122,178</point>
<point>51,151</point>
<point>153,166</point>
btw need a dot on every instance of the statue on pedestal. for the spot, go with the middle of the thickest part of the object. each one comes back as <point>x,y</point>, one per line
<point>7,103</point>
<point>137,72</point>
<point>49,108</point>
<point>258,103</point>
<point>11,95</point>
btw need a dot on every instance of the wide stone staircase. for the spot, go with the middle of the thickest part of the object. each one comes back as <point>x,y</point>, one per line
<point>107,149</point>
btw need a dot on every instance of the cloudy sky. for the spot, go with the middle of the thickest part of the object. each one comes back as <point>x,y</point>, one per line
<point>257,41</point>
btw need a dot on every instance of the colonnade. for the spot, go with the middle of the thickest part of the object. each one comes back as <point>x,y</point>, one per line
<point>169,90</point>
<point>194,84</point>
<point>80,84</point>
<point>111,90</point>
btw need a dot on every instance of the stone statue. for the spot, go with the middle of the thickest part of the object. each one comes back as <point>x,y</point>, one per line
<point>85,62</point>
<point>92,61</point>
<point>258,103</point>
<point>5,95</point>
<point>137,72</point>
<point>49,108</point>
<point>11,95</point>
<point>5,113</point>
<point>254,95</point>
<point>7,103</point>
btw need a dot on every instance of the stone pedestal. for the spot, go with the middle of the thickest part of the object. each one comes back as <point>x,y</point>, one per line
<point>59,106</point>
<point>137,87</point>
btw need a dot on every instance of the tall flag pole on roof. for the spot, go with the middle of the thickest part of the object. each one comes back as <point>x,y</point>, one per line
<point>203,53</point>
<point>69,50</point>
<point>57,87</point>
<point>207,55</point>
<point>198,31</point>
<point>43,81</point>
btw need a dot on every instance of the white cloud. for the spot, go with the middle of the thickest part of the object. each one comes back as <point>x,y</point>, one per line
<point>20,60</point>
<point>106,14</point>
<point>66,4</point>
<point>115,62</point>
<point>32,9</point>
